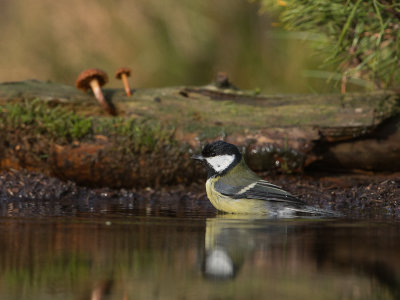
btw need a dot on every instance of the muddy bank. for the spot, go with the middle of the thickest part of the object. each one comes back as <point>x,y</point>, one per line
<point>32,194</point>
<point>59,131</point>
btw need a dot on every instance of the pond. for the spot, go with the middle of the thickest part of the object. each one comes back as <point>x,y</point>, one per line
<point>51,250</point>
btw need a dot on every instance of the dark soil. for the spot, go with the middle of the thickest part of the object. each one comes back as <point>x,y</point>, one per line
<point>354,195</point>
<point>27,193</point>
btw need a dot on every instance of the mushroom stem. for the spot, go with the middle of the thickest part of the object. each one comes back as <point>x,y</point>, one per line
<point>126,84</point>
<point>343,85</point>
<point>94,84</point>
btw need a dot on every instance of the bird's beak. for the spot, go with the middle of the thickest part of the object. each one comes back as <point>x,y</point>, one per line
<point>198,157</point>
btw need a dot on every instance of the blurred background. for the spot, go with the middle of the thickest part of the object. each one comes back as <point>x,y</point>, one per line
<point>166,43</point>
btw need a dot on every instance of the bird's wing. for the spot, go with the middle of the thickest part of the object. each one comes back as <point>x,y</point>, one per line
<point>264,190</point>
<point>259,190</point>
<point>242,183</point>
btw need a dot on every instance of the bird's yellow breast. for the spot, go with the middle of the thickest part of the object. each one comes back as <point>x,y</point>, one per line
<point>229,205</point>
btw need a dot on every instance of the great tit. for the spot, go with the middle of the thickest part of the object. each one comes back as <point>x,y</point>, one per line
<point>233,188</point>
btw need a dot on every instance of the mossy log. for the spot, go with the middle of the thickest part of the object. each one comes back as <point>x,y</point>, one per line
<point>61,131</point>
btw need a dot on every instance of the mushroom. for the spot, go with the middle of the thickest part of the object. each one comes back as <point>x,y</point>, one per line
<point>94,79</point>
<point>124,73</point>
<point>222,81</point>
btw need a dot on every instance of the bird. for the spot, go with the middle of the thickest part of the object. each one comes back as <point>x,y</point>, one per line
<point>232,187</point>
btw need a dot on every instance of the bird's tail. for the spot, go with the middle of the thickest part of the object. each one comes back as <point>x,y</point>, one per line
<point>314,211</point>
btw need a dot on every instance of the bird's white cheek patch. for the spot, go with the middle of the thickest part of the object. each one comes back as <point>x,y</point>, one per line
<point>220,162</point>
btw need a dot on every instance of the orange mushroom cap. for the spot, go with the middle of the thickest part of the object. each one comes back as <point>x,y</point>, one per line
<point>84,79</point>
<point>121,71</point>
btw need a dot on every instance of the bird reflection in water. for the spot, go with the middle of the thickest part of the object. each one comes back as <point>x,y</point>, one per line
<point>229,240</point>
<point>302,250</point>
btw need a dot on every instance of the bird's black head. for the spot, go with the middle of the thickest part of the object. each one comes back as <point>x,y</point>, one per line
<point>219,157</point>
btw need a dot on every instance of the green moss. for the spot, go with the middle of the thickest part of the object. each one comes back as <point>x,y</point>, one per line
<point>46,120</point>
<point>62,125</point>
<point>139,134</point>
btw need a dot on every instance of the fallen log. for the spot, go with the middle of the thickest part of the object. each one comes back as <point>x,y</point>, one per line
<point>58,130</point>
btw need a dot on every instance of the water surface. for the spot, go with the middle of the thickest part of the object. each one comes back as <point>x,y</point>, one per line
<point>108,250</point>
